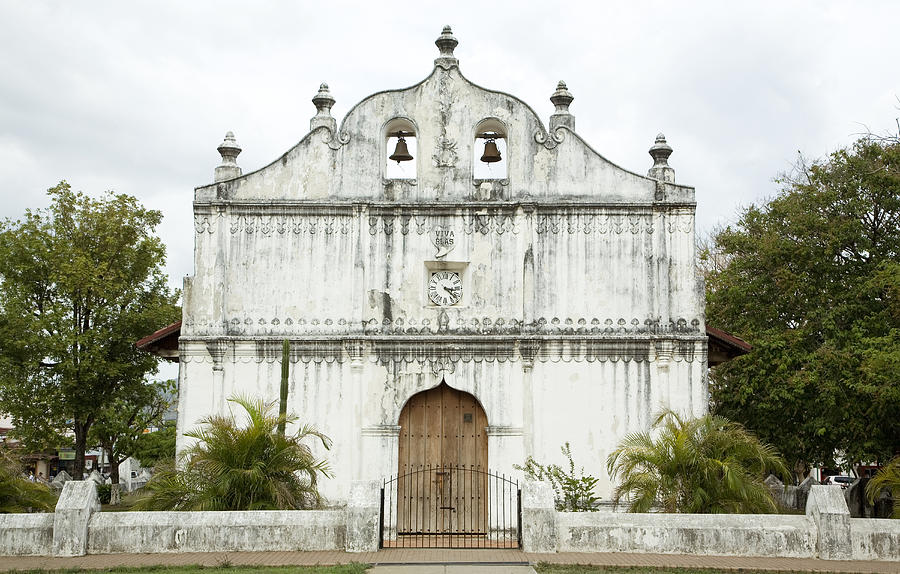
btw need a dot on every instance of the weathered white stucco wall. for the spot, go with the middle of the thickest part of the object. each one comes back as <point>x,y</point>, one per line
<point>713,534</point>
<point>826,531</point>
<point>580,316</point>
<point>128,532</point>
<point>875,539</point>
<point>26,534</point>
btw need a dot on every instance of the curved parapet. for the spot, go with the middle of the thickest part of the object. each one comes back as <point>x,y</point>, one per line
<point>350,162</point>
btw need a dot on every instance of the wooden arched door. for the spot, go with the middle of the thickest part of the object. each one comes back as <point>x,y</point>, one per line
<point>442,471</point>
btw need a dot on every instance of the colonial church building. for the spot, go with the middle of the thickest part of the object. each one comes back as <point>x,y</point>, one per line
<point>460,283</point>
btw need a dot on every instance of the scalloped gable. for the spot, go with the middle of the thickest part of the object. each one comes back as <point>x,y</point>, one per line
<point>349,164</point>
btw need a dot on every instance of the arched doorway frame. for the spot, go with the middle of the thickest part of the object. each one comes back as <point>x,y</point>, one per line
<point>476,418</point>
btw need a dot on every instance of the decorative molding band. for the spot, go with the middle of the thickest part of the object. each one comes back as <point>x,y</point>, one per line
<point>205,223</point>
<point>441,355</point>
<point>349,207</point>
<point>275,225</point>
<point>279,219</point>
<point>591,223</point>
<point>470,223</point>
<point>541,326</point>
<point>440,325</point>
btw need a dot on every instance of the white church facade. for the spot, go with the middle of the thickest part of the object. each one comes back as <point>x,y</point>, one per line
<point>445,315</point>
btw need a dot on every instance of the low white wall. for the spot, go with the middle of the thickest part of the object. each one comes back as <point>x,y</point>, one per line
<point>712,534</point>
<point>875,539</point>
<point>260,530</point>
<point>26,534</point>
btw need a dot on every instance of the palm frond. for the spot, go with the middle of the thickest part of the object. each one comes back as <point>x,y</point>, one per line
<point>245,467</point>
<point>694,465</point>
<point>886,479</point>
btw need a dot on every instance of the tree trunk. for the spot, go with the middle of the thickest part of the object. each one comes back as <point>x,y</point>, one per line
<point>81,432</point>
<point>115,496</point>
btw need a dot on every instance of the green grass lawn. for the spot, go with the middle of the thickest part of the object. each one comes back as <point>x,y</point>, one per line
<point>580,569</point>
<point>223,569</point>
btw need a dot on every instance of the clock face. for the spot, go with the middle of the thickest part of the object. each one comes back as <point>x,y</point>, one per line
<point>445,288</point>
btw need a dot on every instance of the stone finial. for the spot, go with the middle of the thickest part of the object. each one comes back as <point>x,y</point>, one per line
<point>562,98</point>
<point>660,152</point>
<point>446,43</point>
<point>229,150</point>
<point>323,102</point>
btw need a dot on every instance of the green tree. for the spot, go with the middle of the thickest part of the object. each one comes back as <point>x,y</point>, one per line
<point>694,465</point>
<point>153,447</point>
<point>122,422</point>
<point>812,280</point>
<point>250,467</point>
<point>887,478</point>
<point>80,282</point>
<point>18,494</point>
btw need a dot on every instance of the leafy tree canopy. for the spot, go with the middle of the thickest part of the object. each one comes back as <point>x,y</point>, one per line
<point>121,424</point>
<point>151,448</point>
<point>812,279</point>
<point>80,282</point>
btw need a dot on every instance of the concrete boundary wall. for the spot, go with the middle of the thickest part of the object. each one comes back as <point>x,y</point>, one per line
<point>76,528</point>
<point>259,530</point>
<point>875,539</point>
<point>26,534</point>
<point>826,532</point>
<point>719,534</point>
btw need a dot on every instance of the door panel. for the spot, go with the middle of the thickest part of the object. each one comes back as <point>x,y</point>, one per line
<point>441,431</point>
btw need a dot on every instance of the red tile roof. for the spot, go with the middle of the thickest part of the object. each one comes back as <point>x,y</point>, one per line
<point>156,339</point>
<point>726,339</point>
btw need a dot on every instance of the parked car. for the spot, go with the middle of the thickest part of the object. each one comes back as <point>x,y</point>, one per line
<point>843,481</point>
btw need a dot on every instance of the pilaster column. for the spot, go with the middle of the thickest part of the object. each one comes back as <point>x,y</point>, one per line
<point>216,350</point>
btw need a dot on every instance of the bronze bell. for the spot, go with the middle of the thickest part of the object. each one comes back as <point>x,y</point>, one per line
<point>401,153</point>
<point>491,153</point>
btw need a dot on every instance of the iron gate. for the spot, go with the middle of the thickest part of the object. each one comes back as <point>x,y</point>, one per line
<point>450,506</point>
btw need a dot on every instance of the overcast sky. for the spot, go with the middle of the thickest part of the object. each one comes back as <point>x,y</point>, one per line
<point>135,96</point>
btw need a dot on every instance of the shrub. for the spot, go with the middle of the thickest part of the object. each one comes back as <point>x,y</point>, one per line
<point>104,492</point>
<point>18,494</point>
<point>573,492</point>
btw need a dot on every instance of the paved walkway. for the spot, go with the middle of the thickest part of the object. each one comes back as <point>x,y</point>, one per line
<point>440,561</point>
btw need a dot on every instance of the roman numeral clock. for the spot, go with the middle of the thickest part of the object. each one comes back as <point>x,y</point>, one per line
<point>445,288</point>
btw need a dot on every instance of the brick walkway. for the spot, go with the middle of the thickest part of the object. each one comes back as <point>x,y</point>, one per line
<point>439,556</point>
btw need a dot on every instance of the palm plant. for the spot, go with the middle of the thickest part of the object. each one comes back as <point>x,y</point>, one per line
<point>887,478</point>
<point>252,467</point>
<point>695,465</point>
<point>18,494</point>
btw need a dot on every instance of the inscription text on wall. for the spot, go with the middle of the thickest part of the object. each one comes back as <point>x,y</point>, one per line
<point>444,240</point>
